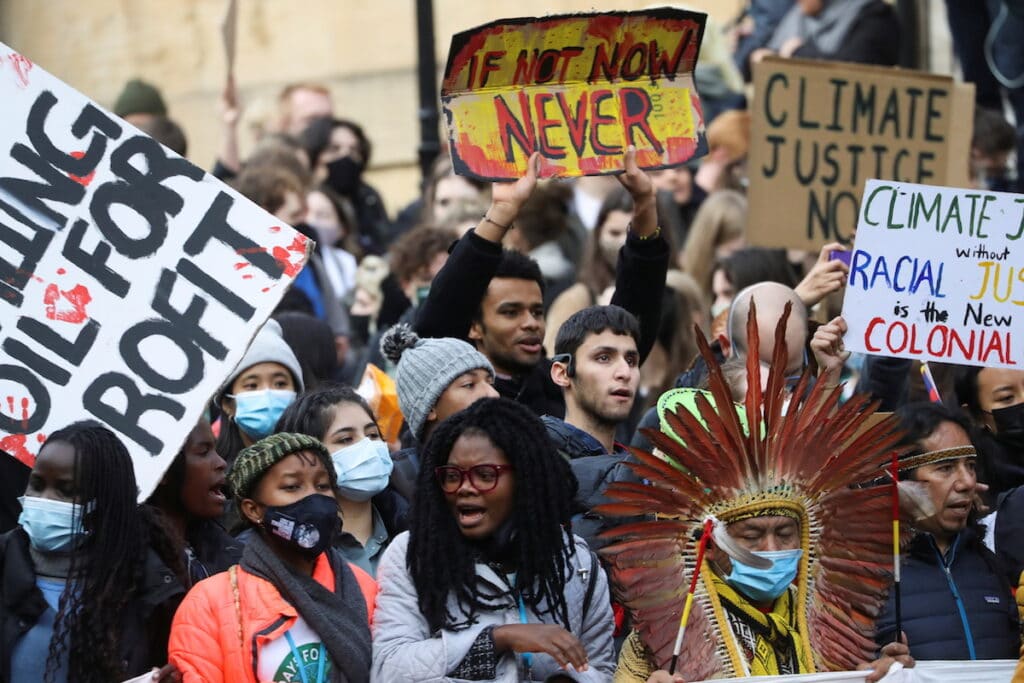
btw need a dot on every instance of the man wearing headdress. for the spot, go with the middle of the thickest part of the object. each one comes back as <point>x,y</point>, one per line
<point>956,602</point>
<point>800,560</point>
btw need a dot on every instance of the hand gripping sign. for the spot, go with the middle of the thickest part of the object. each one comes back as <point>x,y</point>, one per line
<point>131,282</point>
<point>579,89</point>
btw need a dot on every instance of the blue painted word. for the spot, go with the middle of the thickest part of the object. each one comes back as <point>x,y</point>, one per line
<point>906,274</point>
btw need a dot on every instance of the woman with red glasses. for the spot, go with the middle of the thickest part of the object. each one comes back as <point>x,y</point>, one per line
<point>489,584</point>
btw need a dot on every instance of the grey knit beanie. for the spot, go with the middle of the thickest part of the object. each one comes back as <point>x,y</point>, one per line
<point>268,346</point>
<point>425,368</point>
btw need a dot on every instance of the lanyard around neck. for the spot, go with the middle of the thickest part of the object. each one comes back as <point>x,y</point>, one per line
<point>298,660</point>
<point>527,657</point>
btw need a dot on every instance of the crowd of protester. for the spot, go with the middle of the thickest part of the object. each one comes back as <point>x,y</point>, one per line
<point>528,329</point>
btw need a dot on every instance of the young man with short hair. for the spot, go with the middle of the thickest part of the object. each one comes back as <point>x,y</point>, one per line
<point>494,298</point>
<point>597,366</point>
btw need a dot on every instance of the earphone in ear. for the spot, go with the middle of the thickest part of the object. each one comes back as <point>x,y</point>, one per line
<point>570,363</point>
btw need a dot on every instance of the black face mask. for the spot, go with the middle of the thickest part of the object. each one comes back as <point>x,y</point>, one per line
<point>307,525</point>
<point>1010,427</point>
<point>343,175</point>
<point>359,328</point>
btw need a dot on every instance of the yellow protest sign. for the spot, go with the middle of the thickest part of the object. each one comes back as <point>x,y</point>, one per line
<point>578,89</point>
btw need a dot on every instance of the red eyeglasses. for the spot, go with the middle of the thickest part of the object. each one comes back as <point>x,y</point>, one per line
<point>482,477</point>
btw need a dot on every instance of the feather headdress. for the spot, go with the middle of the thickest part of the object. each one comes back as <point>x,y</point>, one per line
<point>799,460</point>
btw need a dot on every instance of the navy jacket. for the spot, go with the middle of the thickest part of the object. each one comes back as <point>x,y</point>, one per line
<point>594,469</point>
<point>957,607</point>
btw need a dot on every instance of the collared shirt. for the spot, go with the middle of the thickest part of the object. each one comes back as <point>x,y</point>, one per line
<point>365,557</point>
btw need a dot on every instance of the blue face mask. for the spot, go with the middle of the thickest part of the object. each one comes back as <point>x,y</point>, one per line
<point>765,585</point>
<point>363,469</point>
<point>256,412</point>
<point>51,525</point>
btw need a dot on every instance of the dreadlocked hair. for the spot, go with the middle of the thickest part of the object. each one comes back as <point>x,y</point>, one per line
<point>107,566</point>
<point>442,562</point>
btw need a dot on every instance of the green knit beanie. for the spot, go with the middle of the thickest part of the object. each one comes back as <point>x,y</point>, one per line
<point>139,97</point>
<point>254,461</point>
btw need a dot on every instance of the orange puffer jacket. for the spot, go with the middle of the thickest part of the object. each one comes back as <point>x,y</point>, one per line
<point>226,619</point>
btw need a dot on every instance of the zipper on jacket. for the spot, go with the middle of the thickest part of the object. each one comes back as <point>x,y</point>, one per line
<point>956,596</point>
<point>255,645</point>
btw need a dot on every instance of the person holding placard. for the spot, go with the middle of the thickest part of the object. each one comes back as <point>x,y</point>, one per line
<point>82,597</point>
<point>494,298</point>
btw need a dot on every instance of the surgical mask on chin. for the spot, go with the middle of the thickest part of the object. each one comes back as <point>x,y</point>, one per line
<point>51,525</point>
<point>718,308</point>
<point>256,412</point>
<point>765,585</point>
<point>363,469</point>
<point>308,525</point>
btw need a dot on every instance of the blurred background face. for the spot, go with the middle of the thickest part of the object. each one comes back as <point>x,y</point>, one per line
<point>613,235</point>
<point>449,192</point>
<point>293,210</point>
<point>321,214</point>
<point>304,105</point>
<point>998,388</point>
<point>344,143</point>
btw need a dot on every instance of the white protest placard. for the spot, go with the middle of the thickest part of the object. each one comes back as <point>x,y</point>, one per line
<point>131,282</point>
<point>937,273</point>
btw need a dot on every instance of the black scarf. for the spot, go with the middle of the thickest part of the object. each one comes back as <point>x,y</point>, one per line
<point>339,617</point>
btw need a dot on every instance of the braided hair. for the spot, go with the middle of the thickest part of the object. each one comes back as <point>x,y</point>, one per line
<point>442,562</point>
<point>107,566</point>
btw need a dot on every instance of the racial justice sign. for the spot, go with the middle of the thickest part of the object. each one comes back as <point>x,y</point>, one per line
<point>579,89</point>
<point>820,129</point>
<point>937,273</point>
<point>131,282</point>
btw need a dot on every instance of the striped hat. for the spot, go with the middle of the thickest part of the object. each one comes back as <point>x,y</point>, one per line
<point>254,461</point>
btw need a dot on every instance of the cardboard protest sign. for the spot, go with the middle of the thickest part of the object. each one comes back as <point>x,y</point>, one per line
<point>131,282</point>
<point>577,88</point>
<point>820,129</point>
<point>937,273</point>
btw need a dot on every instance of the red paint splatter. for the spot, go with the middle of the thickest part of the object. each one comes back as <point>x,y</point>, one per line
<point>40,437</point>
<point>276,228</point>
<point>265,290</point>
<point>247,277</point>
<point>286,256</point>
<point>78,297</point>
<point>61,271</point>
<point>243,264</point>
<point>82,180</point>
<point>10,405</point>
<point>31,276</point>
<point>22,65</point>
<point>15,445</point>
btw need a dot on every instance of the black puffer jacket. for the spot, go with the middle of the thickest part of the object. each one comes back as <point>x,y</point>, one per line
<point>146,623</point>
<point>954,605</point>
